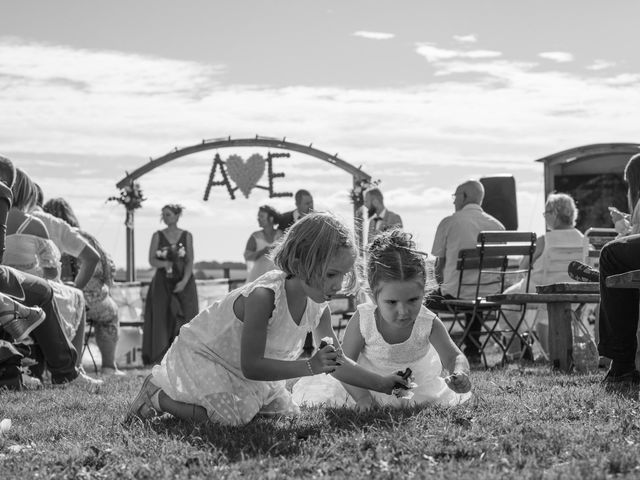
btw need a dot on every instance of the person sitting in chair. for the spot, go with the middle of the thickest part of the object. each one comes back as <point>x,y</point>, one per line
<point>454,233</point>
<point>560,245</point>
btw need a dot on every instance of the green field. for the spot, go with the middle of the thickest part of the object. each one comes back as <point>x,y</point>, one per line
<point>524,422</point>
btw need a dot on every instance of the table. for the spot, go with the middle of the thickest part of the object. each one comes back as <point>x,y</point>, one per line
<point>560,314</point>
<point>624,280</point>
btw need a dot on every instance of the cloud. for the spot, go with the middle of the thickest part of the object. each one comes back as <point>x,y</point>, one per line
<point>560,57</point>
<point>601,65</point>
<point>624,79</point>
<point>66,122</point>
<point>465,38</point>
<point>101,72</point>
<point>435,54</point>
<point>374,35</point>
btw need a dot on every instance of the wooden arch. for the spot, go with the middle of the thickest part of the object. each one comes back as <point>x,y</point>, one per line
<point>356,173</point>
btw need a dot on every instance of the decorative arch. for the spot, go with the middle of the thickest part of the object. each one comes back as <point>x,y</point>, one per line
<point>359,177</point>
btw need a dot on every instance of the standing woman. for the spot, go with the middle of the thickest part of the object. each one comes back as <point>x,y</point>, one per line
<point>261,242</point>
<point>172,299</point>
<point>102,308</point>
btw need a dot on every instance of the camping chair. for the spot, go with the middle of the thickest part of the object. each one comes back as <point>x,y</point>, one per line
<point>489,268</point>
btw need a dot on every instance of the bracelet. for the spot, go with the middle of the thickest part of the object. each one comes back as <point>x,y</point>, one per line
<point>309,367</point>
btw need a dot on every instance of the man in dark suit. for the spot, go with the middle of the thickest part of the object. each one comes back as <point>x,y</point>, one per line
<point>304,205</point>
<point>380,218</point>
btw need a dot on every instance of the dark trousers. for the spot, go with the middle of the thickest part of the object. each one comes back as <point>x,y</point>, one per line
<point>619,306</point>
<point>434,302</point>
<point>59,355</point>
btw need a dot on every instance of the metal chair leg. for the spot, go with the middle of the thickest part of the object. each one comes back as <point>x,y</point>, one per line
<point>85,347</point>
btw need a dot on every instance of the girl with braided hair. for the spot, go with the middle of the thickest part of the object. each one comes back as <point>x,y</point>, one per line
<point>395,332</point>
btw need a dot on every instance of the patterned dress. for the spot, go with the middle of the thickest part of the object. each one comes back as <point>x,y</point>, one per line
<point>381,357</point>
<point>202,366</point>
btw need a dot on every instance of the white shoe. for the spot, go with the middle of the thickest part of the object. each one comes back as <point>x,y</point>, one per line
<point>112,372</point>
<point>31,383</point>
<point>85,381</point>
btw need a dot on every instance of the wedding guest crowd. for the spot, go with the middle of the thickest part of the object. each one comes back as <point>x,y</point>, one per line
<point>102,308</point>
<point>44,332</point>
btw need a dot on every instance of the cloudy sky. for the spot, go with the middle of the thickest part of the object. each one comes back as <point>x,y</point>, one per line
<point>421,94</point>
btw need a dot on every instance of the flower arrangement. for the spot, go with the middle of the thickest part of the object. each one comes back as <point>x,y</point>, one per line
<point>174,254</point>
<point>130,196</point>
<point>357,192</point>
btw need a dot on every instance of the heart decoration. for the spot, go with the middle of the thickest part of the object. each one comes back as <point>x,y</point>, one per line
<point>245,174</point>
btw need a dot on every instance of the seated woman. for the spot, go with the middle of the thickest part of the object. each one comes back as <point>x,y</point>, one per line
<point>103,309</point>
<point>256,253</point>
<point>29,249</point>
<point>561,244</point>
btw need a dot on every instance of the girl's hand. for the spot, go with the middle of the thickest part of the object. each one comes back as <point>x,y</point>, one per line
<point>459,382</point>
<point>180,286</point>
<point>168,265</point>
<point>326,360</point>
<point>393,381</point>
<point>617,215</point>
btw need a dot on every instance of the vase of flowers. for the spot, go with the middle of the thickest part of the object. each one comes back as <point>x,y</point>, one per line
<point>174,254</point>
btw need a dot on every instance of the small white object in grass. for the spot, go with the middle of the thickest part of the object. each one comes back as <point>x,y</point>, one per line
<point>5,425</point>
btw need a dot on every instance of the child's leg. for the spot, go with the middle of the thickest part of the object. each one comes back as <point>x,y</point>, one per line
<point>184,411</point>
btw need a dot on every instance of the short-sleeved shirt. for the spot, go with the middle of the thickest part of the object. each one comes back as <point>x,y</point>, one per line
<point>67,239</point>
<point>457,232</point>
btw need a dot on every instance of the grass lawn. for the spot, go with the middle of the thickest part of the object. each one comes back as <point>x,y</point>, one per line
<point>524,422</point>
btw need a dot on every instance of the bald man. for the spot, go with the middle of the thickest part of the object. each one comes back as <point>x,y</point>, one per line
<point>457,232</point>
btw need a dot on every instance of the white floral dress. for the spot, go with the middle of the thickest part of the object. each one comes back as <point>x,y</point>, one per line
<point>384,358</point>
<point>202,366</point>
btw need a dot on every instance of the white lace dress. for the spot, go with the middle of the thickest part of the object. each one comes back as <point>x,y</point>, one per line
<point>202,366</point>
<point>34,255</point>
<point>381,357</point>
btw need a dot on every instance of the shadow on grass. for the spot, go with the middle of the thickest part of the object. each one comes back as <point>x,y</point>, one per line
<point>285,437</point>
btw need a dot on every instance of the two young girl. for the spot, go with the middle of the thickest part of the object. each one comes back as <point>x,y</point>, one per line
<point>230,362</point>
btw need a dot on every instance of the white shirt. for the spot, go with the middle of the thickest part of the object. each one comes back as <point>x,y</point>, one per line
<point>66,238</point>
<point>457,232</point>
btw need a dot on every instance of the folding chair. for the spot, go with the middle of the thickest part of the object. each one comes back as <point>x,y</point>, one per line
<point>86,347</point>
<point>490,268</point>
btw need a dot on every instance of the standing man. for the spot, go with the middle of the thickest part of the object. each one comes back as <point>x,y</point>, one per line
<point>457,232</point>
<point>380,218</point>
<point>304,205</point>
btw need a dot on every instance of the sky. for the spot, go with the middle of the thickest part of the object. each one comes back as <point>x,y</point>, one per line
<point>421,95</point>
